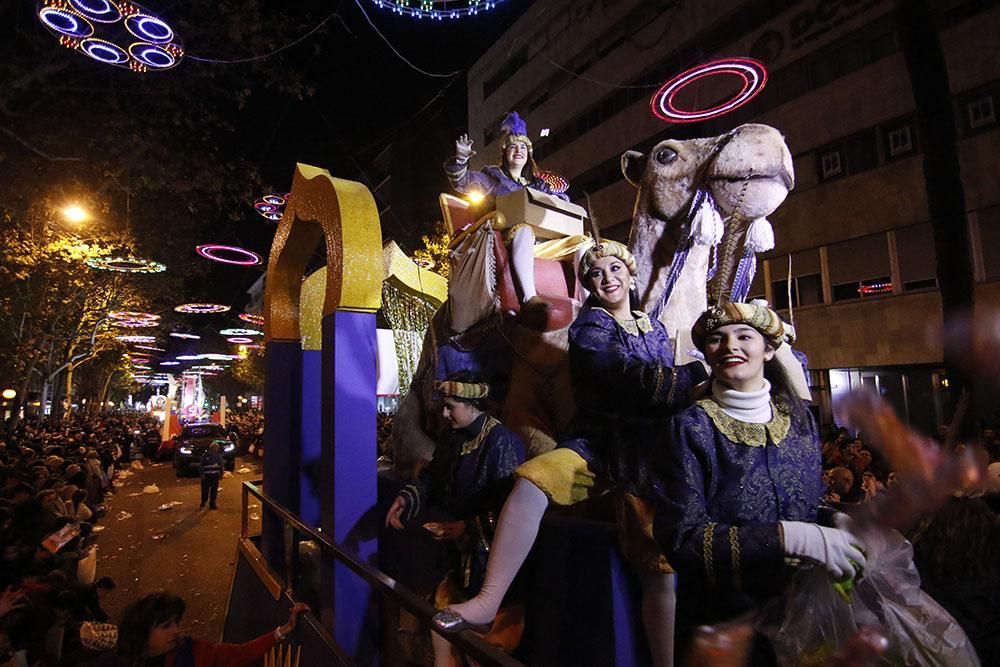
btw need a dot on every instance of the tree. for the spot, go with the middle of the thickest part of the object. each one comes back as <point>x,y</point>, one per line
<point>434,255</point>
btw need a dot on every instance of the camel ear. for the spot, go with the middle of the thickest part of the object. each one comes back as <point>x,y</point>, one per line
<point>633,166</point>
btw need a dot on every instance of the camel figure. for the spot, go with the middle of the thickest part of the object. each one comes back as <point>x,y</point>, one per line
<point>693,195</point>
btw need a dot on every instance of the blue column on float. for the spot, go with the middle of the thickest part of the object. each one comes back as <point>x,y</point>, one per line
<point>311,480</point>
<point>349,469</point>
<point>282,410</point>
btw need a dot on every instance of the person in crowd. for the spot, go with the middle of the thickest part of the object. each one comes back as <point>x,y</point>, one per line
<point>517,170</point>
<point>210,467</point>
<point>150,634</point>
<point>843,484</point>
<point>625,385</point>
<point>741,477</point>
<point>469,477</point>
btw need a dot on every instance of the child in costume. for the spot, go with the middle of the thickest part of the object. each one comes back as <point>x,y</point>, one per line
<point>625,385</point>
<point>468,477</point>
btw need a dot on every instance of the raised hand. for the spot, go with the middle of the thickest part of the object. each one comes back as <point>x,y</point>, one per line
<point>463,148</point>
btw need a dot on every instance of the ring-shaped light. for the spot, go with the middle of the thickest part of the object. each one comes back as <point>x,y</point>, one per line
<point>216,253</point>
<point>101,11</point>
<point>127,264</point>
<point>66,22</point>
<point>152,55</point>
<point>252,318</point>
<point>132,315</point>
<point>239,340</point>
<point>150,348</point>
<point>135,324</point>
<point>104,51</point>
<point>188,357</point>
<point>201,308</point>
<point>241,332</point>
<point>136,339</point>
<point>149,28</point>
<point>752,72</point>
<point>276,200</point>
<point>270,206</point>
<point>186,336</point>
<point>170,363</point>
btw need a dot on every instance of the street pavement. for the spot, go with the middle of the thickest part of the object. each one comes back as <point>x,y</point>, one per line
<point>188,551</point>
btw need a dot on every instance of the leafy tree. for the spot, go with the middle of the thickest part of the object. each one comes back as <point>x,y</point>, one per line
<point>434,255</point>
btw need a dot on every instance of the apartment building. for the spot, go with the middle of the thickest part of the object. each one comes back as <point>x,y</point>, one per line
<point>855,231</point>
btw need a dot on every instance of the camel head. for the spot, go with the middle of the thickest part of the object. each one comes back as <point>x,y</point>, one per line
<point>747,171</point>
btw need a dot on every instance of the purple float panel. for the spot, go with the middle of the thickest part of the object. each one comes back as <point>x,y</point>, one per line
<point>349,474</point>
<point>310,478</point>
<point>282,410</point>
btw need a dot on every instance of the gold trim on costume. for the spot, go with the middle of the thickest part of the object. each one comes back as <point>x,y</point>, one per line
<point>634,326</point>
<point>752,435</point>
<point>706,552</point>
<point>473,444</point>
<point>734,554</point>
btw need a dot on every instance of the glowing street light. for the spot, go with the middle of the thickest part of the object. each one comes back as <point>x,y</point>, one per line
<point>9,394</point>
<point>75,213</point>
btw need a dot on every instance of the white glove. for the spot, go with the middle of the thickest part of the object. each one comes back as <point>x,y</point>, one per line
<point>833,548</point>
<point>463,148</point>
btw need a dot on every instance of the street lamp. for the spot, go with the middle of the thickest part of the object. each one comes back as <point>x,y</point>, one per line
<point>75,214</point>
<point>9,394</point>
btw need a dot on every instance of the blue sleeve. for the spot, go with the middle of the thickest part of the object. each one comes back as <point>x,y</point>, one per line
<point>603,366</point>
<point>463,179</point>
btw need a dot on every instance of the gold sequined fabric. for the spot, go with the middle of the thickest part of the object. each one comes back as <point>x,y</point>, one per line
<point>632,327</point>
<point>473,444</point>
<point>752,435</point>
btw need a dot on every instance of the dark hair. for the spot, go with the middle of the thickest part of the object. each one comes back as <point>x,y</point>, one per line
<point>781,387</point>
<point>138,621</point>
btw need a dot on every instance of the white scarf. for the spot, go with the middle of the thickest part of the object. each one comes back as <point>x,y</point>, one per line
<point>753,407</point>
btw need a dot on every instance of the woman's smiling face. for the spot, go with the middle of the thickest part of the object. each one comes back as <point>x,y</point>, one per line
<point>736,353</point>
<point>609,281</point>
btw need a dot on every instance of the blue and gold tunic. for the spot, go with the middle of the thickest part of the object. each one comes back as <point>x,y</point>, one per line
<point>727,484</point>
<point>626,386</point>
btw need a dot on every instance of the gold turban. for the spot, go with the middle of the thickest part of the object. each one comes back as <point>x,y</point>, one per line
<point>605,248</point>
<point>760,317</point>
<point>466,390</point>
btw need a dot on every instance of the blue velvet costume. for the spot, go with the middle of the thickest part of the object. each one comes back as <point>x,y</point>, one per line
<point>469,478</point>
<point>492,181</point>
<point>727,485</point>
<point>626,386</point>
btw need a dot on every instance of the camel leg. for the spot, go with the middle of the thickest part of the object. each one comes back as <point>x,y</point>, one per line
<point>516,532</point>
<point>522,259</point>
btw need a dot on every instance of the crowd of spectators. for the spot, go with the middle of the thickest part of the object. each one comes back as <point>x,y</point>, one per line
<point>54,478</point>
<point>247,431</point>
<point>955,549</point>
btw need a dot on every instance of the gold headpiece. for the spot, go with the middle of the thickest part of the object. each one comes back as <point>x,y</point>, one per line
<point>760,317</point>
<point>466,390</point>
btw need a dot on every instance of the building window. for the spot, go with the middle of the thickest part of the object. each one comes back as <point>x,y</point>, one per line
<point>829,165</point>
<point>806,291</point>
<point>982,112</point>
<point>916,257</point>
<point>900,141</point>
<point>859,267</point>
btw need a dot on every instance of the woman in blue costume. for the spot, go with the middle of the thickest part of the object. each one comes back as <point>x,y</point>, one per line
<point>742,477</point>
<point>469,478</point>
<point>517,170</point>
<point>625,386</point>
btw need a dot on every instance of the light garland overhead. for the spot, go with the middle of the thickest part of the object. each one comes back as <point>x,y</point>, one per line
<point>239,340</point>
<point>752,72</point>
<point>271,206</point>
<point>241,332</point>
<point>436,9</point>
<point>136,339</point>
<point>170,363</point>
<point>132,315</point>
<point>218,253</point>
<point>185,336</point>
<point>252,318</point>
<point>127,264</point>
<point>113,32</point>
<point>135,324</point>
<point>201,308</point>
<point>149,347</point>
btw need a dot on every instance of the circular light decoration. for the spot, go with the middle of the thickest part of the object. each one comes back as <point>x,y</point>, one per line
<point>271,206</point>
<point>437,9</point>
<point>241,332</point>
<point>188,357</point>
<point>213,356</point>
<point>201,308</point>
<point>129,264</point>
<point>752,72</point>
<point>136,339</point>
<point>239,340</point>
<point>251,318</point>
<point>135,324</point>
<point>132,315</point>
<point>150,348</point>
<point>107,30</point>
<point>238,256</point>
<point>66,22</point>
<point>102,11</point>
<point>170,363</point>
<point>185,336</point>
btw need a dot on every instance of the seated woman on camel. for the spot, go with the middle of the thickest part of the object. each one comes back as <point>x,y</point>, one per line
<point>517,170</point>
<point>626,387</point>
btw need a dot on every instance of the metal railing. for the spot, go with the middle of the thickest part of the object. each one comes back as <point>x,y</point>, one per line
<point>466,641</point>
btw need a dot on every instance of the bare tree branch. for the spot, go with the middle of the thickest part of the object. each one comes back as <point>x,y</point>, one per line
<point>38,151</point>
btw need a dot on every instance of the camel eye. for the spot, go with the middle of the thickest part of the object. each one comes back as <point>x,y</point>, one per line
<point>666,155</point>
